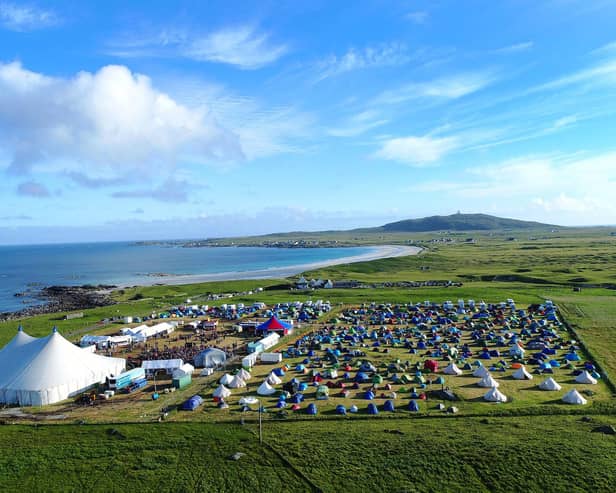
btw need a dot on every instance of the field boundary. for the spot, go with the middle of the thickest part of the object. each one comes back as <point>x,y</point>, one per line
<point>596,361</point>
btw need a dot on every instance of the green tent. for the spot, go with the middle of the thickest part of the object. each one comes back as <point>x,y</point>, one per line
<point>323,392</point>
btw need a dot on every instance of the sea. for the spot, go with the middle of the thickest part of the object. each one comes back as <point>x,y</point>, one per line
<point>25,269</point>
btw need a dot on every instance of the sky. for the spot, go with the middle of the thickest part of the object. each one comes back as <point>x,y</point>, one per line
<point>155,119</point>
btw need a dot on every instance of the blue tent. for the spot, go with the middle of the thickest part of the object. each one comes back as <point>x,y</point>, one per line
<point>297,398</point>
<point>389,406</point>
<point>572,357</point>
<point>340,409</point>
<point>413,406</point>
<point>311,409</point>
<point>279,372</point>
<point>372,409</point>
<point>193,403</point>
<point>362,377</point>
<point>369,395</point>
<point>302,386</point>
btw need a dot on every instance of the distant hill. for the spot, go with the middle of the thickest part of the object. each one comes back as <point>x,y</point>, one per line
<point>462,222</point>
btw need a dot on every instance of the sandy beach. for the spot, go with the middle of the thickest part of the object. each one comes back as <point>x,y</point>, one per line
<point>376,253</point>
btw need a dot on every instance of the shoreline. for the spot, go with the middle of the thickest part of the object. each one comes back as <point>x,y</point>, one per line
<point>379,252</point>
<point>72,298</point>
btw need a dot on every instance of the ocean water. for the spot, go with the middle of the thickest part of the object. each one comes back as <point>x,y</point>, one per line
<point>26,268</point>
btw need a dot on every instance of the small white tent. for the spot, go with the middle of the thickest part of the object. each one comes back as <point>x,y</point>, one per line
<point>549,384</point>
<point>37,372</point>
<point>226,379</point>
<point>221,392</point>
<point>522,374</point>
<point>273,379</point>
<point>237,382</point>
<point>585,377</point>
<point>488,382</point>
<point>481,372</point>
<point>244,375</point>
<point>494,395</point>
<point>266,389</point>
<point>574,397</point>
<point>452,369</point>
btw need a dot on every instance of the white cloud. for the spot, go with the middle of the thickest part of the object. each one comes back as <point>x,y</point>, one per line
<point>417,151</point>
<point>262,131</point>
<point>452,87</point>
<point>358,124</point>
<point>514,48</point>
<point>242,46</point>
<point>25,17</point>
<point>112,119</point>
<point>417,17</point>
<point>355,59</point>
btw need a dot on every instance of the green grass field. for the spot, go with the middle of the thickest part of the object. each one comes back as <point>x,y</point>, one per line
<point>454,454</point>
<point>522,446</point>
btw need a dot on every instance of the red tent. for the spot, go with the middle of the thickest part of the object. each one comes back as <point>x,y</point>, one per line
<point>431,365</point>
<point>275,325</point>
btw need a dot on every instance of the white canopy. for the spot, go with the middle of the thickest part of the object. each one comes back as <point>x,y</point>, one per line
<point>522,374</point>
<point>222,392</point>
<point>266,389</point>
<point>36,372</point>
<point>185,369</point>
<point>481,372</point>
<point>549,384</point>
<point>162,364</point>
<point>574,397</point>
<point>452,369</point>
<point>488,382</point>
<point>585,377</point>
<point>495,395</point>
<point>248,400</point>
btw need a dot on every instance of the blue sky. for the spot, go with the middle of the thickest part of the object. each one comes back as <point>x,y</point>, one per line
<point>197,119</point>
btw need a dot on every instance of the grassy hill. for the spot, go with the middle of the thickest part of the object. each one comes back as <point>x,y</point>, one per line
<point>462,222</point>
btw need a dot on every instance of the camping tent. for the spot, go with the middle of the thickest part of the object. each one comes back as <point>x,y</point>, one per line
<point>36,372</point>
<point>516,351</point>
<point>237,382</point>
<point>452,369</point>
<point>226,379</point>
<point>372,409</point>
<point>494,395</point>
<point>274,379</point>
<point>274,325</point>
<point>574,397</point>
<point>323,392</point>
<point>340,409</point>
<point>193,403</point>
<point>221,392</point>
<point>481,372</point>
<point>585,377</point>
<point>522,374</point>
<point>431,365</point>
<point>244,375</point>
<point>389,406</point>
<point>266,389</point>
<point>488,382</point>
<point>413,406</point>
<point>549,384</point>
<point>210,358</point>
<point>312,409</point>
